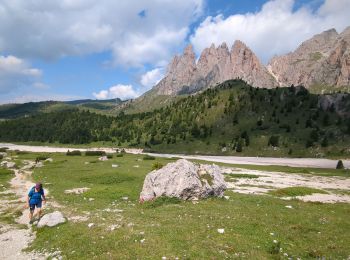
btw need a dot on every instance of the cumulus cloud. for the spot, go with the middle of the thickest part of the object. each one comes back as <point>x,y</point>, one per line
<point>152,77</point>
<point>56,28</point>
<point>276,29</point>
<point>16,73</point>
<point>118,91</point>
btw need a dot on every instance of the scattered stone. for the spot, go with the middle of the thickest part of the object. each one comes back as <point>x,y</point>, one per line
<point>115,165</point>
<point>136,166</point>
<point>90,225</point>
<point>91,199</point>
<point>125,198</point>
<point>39,165</point>
<point>51,219</point>
<point>49,160</point>
<point>142,240</point>
<point>227,197</point>
<point>86,162</point>
<point>185,180</point>
<point>113,227</point>
<point>221,230</point>
<point>76,190</point>
<point>103,158</point>
<point>8,164</point>
<point>289,206</point>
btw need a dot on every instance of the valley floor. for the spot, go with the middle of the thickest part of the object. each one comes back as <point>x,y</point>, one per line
<point>269,212</point>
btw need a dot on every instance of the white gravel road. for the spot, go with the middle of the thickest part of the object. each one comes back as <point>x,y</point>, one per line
<point>292,162</point>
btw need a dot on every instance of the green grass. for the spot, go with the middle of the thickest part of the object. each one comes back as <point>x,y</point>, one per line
<point>296,191</point>
<point>173,228</point>
<point>242,175</point>
<point>5,177</point>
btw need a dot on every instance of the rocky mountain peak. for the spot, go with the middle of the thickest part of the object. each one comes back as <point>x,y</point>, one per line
<point>323,60</point>
<point>215,65</point>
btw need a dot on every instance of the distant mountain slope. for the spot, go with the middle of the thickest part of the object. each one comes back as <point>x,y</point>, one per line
<point>233,118</point>
<point>9,111</point>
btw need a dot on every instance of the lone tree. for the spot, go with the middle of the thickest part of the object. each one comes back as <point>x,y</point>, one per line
<point>340,165</point>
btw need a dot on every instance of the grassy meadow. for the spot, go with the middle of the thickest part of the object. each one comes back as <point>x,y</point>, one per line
<point>255,227</point>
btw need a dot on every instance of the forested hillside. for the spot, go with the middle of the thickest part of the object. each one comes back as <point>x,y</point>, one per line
<point>233,118</point>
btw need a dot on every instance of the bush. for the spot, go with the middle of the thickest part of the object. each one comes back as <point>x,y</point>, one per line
<point>95,153</point>
<point>109,156</point>
<point>340,165</point>
<point>149,157</point>
<point>1,156</point>
<point>41,158</point>
<point>74,153</point>
<point>120,155</point>
<point>3,149</point>
<point>274,141</point>
<point>157,166</point>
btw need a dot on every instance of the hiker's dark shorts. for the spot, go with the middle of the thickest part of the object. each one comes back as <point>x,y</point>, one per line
<point>33,206</point>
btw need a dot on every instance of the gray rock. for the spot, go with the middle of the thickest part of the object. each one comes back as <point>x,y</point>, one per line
<point>51,219</point>
<point>184,180</point>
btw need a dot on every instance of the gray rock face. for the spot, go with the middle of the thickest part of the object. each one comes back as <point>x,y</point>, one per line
<point>51,219</point>
<point>339,102</point>
<point>184,180</point>
<point>214,66</point>
<point>322,60</point>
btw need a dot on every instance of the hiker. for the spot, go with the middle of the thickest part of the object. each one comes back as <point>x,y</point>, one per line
<point>34,200</point>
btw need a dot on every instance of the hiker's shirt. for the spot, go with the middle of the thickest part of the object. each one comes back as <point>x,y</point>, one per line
<point>35,196</point>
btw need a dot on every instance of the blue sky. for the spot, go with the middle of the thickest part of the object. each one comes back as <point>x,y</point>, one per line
<point>72,49</point>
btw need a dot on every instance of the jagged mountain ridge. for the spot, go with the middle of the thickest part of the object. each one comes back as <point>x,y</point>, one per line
<point>324,59</point>
<point>214,66</point>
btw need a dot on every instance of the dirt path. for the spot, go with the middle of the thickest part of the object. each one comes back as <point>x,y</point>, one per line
<point>292,162</point>
<point>261,182</point>
<point>12,238</point>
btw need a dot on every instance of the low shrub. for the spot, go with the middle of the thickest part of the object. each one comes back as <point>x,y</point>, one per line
<point>157,166</point>
<point>18,152</point>
<point>296,191</point>
<point>120,155</point>
<point>340,165</point>
<point>41,158</point>
<point>3,149</point>
<point>109,156</point>
<point>95,153</point>
<point>149,157</point>
<point>73,153</point>
<point>1,156</point>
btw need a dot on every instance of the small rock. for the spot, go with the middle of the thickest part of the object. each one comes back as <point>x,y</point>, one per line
<point>289,206</point>
<point>136,166</point>
<point>91,199</point>
<point>51,219</point>
<point>90,225</point>
<point>221,230</point>
<point>227,197</point>
<point>125,198</point>
<point>103,158</point>
<point>115,165</point>
<point>142,240</point>
<point>275,241</point>
<point>49,160</point>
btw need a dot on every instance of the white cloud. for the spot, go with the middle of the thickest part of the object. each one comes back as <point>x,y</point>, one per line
<point>276,29</point>
<point>16,73</point>
<point>56,28</point>
<point>118,91</point>
<point>152,77</point>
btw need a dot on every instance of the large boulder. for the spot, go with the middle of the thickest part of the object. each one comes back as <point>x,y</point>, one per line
<point>51,219</point>
<point>184,180</point>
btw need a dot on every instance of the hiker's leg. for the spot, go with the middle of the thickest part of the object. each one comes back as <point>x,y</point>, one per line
<point>39,212</point>
<point>31,211</point>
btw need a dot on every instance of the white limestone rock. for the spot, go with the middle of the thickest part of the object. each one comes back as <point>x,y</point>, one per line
<point>184,180</point>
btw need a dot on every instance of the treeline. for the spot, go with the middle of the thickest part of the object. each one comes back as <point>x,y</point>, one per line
<point>231,117</point>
